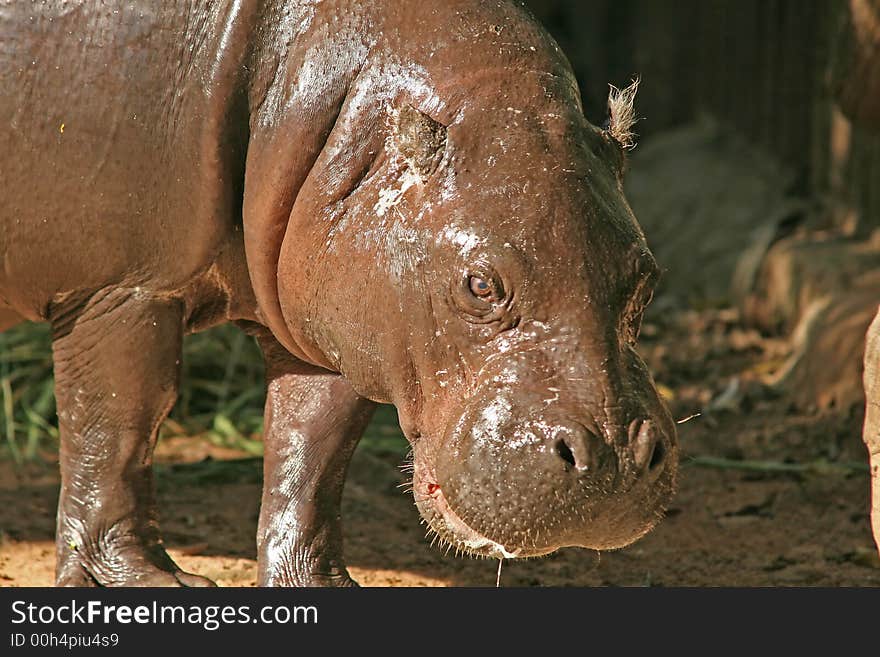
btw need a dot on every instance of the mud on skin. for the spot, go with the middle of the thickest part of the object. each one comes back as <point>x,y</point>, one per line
<point>402,201</point>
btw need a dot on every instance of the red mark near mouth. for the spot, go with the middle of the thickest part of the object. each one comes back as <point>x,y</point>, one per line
<point>433,488</point>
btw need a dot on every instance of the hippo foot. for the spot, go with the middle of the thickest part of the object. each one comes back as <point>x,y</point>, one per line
<point>319,580</point>
<point>81,577</point>
<point>121,563</point>
<point>329,581</point>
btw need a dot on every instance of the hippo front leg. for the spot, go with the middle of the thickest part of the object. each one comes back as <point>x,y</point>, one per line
<point>314,420</point>
<point>117,360</point>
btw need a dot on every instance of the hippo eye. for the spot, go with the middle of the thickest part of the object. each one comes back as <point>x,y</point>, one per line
<point>481,296</point>
<point>486,289</point>
<point>480,287</point>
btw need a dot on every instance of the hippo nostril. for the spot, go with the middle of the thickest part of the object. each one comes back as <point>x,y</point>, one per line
<point>564,452</point>
<point>646,448</point>
<point>657,456</point>
<point>580,449</point>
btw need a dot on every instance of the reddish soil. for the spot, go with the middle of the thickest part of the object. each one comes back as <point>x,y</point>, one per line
<point>797,517</point>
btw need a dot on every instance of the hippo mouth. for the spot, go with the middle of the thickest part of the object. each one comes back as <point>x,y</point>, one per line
<point>598,517</point>
<point>446,527</point>
<point>459,535</point>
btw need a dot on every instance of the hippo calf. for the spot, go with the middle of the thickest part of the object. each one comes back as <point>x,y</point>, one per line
<point>401,200</point>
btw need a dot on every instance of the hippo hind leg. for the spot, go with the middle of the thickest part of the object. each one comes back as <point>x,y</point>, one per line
<point>314,420</point>
<point>117,361</point>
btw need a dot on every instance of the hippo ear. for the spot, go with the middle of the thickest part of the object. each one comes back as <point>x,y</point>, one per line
<point>419,139</point>
<point>622,115</point>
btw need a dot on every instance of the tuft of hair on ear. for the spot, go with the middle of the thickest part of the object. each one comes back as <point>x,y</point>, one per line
<point>419,139</point>
<point>622,114</point>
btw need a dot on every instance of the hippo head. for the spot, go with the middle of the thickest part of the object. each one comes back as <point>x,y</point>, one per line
<point>536,424</point>
<point>478,266</point>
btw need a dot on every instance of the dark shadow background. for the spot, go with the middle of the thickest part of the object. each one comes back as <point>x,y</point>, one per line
<point>761,67</point>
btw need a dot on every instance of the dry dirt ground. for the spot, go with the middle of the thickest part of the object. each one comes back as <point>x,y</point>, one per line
<point>786,507</point>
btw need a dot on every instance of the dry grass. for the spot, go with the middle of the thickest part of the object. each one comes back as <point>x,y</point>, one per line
<point>221,396</point>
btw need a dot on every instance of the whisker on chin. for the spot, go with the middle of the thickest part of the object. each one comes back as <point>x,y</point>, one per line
<point>408,466</point>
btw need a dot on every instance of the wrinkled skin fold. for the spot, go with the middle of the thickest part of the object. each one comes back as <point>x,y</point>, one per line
<point>401,201</point>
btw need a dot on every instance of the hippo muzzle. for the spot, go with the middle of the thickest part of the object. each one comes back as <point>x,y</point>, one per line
<point>535,460</point>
